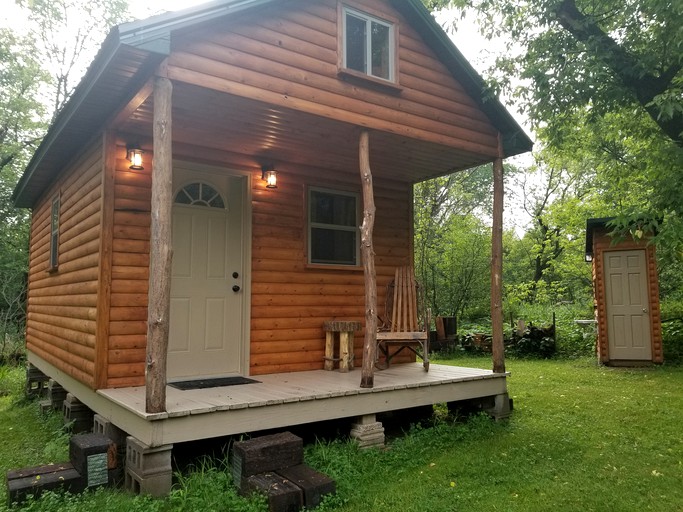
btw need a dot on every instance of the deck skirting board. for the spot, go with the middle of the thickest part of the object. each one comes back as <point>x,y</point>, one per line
<point>278,400</point>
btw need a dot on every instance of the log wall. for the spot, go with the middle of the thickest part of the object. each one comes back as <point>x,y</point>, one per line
<point>287,56</point>
<point>62,303</point>
<point>290,299</point>
<point>130,272</point>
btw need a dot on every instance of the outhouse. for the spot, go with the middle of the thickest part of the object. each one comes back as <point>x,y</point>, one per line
<point>626,297</point>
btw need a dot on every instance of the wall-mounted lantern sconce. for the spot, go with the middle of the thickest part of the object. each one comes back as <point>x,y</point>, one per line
<point>588,257</point>
<point>134,156</point>
<point>269,175</point>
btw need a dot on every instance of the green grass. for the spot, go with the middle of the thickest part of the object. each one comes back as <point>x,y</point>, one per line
<point>582,437</point>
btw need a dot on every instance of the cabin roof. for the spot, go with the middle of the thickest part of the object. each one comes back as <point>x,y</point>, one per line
<point>132,51</point>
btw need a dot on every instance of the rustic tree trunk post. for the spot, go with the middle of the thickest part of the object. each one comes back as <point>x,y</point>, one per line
<point>367,379</point>
<point>160,251</point>
<point>498,347</point>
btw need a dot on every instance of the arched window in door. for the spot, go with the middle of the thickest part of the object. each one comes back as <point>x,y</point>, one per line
<point>199,194</point>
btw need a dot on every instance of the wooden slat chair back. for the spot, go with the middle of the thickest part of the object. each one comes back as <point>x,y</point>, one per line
<point>408,327</point>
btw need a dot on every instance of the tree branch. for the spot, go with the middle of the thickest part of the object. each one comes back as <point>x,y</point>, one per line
<point>634,77</point>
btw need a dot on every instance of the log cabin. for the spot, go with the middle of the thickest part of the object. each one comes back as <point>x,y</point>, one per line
<point>197,202</point>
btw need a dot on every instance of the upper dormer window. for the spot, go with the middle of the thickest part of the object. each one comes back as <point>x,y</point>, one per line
<point>369,45</point>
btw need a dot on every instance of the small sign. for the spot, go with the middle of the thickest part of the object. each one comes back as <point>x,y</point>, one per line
<point>97,469</point>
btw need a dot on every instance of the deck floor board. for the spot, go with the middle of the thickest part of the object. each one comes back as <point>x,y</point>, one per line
<point>287,388</point>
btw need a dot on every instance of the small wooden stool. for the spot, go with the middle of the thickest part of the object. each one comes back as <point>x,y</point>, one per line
<point>345,328</point>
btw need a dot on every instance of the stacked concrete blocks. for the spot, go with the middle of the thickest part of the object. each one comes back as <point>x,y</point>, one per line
<point>36,382</point>
<point>148,469</point>
<point>368,432</point>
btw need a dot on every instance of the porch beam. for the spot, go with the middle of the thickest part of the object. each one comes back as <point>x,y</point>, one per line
<point>160,254</point>
<point>498,348</point>
<point>368,253</point>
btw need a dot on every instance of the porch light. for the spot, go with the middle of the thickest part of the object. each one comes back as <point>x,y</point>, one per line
<point>134,156</point>
<point>588,257</point>
<point>269,175</point>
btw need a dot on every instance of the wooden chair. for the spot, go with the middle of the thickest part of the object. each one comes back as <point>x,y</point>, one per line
<point>403,328</point>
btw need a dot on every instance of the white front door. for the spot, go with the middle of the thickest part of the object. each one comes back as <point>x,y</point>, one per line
<point>628,317</point>
<point>207,297</point>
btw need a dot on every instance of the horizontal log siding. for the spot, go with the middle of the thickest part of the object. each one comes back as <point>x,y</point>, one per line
<point>130,273</point>
<point>62,304</point>
<point>288,56</point>
<point>290,300</point>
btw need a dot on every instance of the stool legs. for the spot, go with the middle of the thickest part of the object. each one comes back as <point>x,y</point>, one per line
<point>329,350</point>
<point>345,350</point>
<point>345,344</point>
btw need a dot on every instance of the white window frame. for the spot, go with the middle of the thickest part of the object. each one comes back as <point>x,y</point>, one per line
<point>369,19</point>
<point>338,227</point>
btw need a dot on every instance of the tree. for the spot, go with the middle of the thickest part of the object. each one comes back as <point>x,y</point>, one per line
<point>21,127</point>
<point>602,83</point>
<point>69,33</point>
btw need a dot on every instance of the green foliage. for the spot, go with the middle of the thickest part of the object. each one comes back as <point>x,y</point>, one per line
<point>566,447</point>
<point>602,83</point>
<point>209,486</point>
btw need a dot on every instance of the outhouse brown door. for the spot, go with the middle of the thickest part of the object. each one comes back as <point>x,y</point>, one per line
<point>628,316</point>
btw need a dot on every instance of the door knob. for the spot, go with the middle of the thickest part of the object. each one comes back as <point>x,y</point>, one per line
<point>235,288</point>
<point>644,310</point>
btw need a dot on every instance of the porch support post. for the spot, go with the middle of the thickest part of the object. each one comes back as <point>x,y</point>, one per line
<point>367,379</point>
<point>498,347</point>
<point>159,302</point>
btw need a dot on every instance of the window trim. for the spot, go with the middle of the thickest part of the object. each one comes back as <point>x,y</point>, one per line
<point>310,225</point>
<point>55,213</point>
<point>368,14</point>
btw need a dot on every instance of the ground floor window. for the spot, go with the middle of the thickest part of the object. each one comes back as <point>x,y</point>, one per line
<point>333,227</point>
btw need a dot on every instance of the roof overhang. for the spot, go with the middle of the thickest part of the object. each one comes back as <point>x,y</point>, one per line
<point>593,225</point>
<point>133,51</point>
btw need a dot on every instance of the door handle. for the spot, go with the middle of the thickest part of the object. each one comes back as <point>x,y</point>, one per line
<point>235,288</point>
<point>645,310</point>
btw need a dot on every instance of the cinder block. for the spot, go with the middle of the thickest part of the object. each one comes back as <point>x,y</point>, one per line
<point>148,470</point>
<point>32,481</point>
<point>264,454</point>
<point>154,485</point>
<point>56,394</point>
<point>36,382</point>
<point>314,485</point>
<point>78,414</point>
<point>104,427</point>
<point>283,495</point>
<point>368,433</point>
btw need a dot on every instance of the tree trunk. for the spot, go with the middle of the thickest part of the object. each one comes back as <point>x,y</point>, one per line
<point>498,347</point>
<point>160,253</point>
<point>368,253</point>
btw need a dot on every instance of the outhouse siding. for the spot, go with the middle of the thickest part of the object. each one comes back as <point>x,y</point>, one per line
<point>61,316</point>
<point>288,56</point>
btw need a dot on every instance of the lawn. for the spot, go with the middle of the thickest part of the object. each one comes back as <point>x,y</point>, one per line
<point>582,437</point>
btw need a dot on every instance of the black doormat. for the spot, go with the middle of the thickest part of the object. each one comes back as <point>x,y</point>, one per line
<point>186,385</point>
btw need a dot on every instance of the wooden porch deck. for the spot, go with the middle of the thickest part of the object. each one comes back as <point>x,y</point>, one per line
<point>279,400</point>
